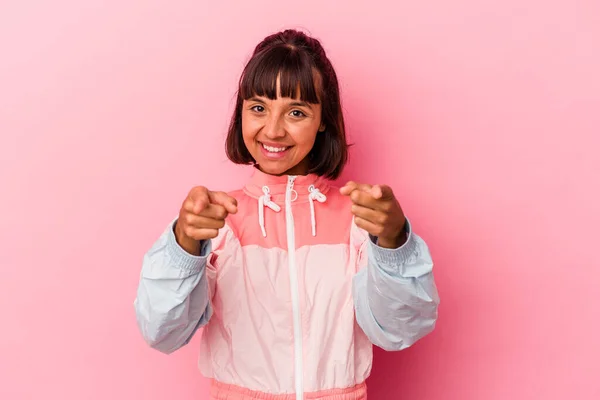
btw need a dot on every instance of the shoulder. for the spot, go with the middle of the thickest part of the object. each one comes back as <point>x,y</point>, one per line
<point>338,201</point>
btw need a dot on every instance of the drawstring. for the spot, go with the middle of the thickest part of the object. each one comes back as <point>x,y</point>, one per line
<point>314,194</point>
<point>265,201</point>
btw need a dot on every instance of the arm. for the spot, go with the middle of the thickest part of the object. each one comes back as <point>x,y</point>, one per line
<point>173,294</point>
<point>395,296</point>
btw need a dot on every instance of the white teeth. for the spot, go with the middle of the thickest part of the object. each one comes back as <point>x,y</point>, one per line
<point>274,149</point>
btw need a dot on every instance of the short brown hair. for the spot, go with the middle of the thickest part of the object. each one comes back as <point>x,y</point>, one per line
<point>294,57</point>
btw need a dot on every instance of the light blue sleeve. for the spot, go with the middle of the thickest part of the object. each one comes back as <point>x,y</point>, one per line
<point>395,296</point>
<point>172,299</point>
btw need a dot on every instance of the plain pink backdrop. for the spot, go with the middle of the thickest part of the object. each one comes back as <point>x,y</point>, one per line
<point>483,115</point>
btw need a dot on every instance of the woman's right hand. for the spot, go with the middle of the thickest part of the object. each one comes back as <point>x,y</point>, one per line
<point>201,216</point>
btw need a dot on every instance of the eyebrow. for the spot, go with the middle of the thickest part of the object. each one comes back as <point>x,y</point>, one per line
<point>256,99</point>
<point>300,104</point>
<point>294,103</point>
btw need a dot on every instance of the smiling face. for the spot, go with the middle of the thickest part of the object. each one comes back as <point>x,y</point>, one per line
<point>280,133</point>
<point>288,117</point>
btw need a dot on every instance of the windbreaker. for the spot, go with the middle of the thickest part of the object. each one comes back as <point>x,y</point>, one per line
<point>291,295</point>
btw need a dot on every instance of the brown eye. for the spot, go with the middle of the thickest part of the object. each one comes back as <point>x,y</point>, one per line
<point>298,114</point>
<point>258,109</point>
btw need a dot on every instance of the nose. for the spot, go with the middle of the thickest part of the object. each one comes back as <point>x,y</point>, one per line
<point>274,128</point>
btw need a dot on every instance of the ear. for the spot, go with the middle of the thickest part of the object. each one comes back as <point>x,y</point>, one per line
<point>322,127</point>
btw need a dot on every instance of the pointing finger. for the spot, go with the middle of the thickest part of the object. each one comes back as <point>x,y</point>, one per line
<point>364,199</point>
<point>352,186</point>
<point>225,200</point>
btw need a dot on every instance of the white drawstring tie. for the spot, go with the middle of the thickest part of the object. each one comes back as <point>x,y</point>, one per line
<point>265,201</point>
<point>314,194</point>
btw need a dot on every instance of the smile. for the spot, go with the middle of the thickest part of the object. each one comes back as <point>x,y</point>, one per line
<point>272,149</point>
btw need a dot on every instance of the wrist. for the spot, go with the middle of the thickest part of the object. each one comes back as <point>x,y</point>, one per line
<point>190,245</point>
<point>394,242</point>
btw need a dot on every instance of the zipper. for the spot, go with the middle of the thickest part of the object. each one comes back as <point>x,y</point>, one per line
<point>291,242</point>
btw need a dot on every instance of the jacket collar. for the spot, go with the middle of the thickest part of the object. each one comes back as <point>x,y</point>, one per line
<point>278,184</point>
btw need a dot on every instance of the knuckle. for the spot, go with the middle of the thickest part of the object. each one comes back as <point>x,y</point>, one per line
<point>189,232</point>
<point>197,192</point>
<point>201,192</point>
<point>188,219</point>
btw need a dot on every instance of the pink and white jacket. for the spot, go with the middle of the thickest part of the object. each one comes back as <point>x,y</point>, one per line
<point>291,295</point>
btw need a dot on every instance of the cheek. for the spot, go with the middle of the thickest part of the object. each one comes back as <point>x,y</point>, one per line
<point>303,134</point>
<point>248,129</point>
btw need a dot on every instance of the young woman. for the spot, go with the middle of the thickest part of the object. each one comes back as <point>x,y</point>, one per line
<point>292,280</point>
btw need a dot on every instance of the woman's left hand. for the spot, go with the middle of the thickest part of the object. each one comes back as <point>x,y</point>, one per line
<point>377,211</point>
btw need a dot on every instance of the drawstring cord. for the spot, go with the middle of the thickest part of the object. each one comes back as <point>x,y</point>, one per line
<point>265,200</point>
<point>314,194</point>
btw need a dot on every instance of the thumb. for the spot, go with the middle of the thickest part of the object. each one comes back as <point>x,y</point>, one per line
<point>198,198</point>
<point>382,192</point>
<point>200,203</point>
<point>225,200</point>
<point>348,188</point>
<point>376,192</point>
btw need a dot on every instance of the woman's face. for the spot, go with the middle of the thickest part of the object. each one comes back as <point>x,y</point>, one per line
<point>280,133</point>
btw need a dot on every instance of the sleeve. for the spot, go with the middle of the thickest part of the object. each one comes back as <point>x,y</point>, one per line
<point>395,296</point>
<point>175,290</point>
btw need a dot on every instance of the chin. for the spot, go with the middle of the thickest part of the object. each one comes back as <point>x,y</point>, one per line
<point>273,169</point>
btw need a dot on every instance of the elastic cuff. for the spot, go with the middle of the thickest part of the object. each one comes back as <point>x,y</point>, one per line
<point>395,257</point>
<point>182,258</point>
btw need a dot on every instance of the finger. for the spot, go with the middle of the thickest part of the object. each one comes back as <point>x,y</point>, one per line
<point>201,233</point>
<point>197,221</point>
<point>374,216</point>
<point>223,199</point>
<point>214,211</point>
<point>197,200</point>
<point>348,188</point>
<point>195,205</point>
<point>364,199</point>
<point>365,187</point>
<point>352,186</point>
<point>368,226</point>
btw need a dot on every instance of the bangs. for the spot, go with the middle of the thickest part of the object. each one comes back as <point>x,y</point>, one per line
<point>294,69</point>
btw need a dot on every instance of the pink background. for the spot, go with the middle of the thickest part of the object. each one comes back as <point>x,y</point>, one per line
<point>483,115</point>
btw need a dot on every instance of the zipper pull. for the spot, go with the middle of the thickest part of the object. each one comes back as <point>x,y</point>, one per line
<point>290,188</point>
<point>291,180</point>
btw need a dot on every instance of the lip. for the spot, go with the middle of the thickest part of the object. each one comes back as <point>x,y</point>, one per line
<point>273,155</point>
